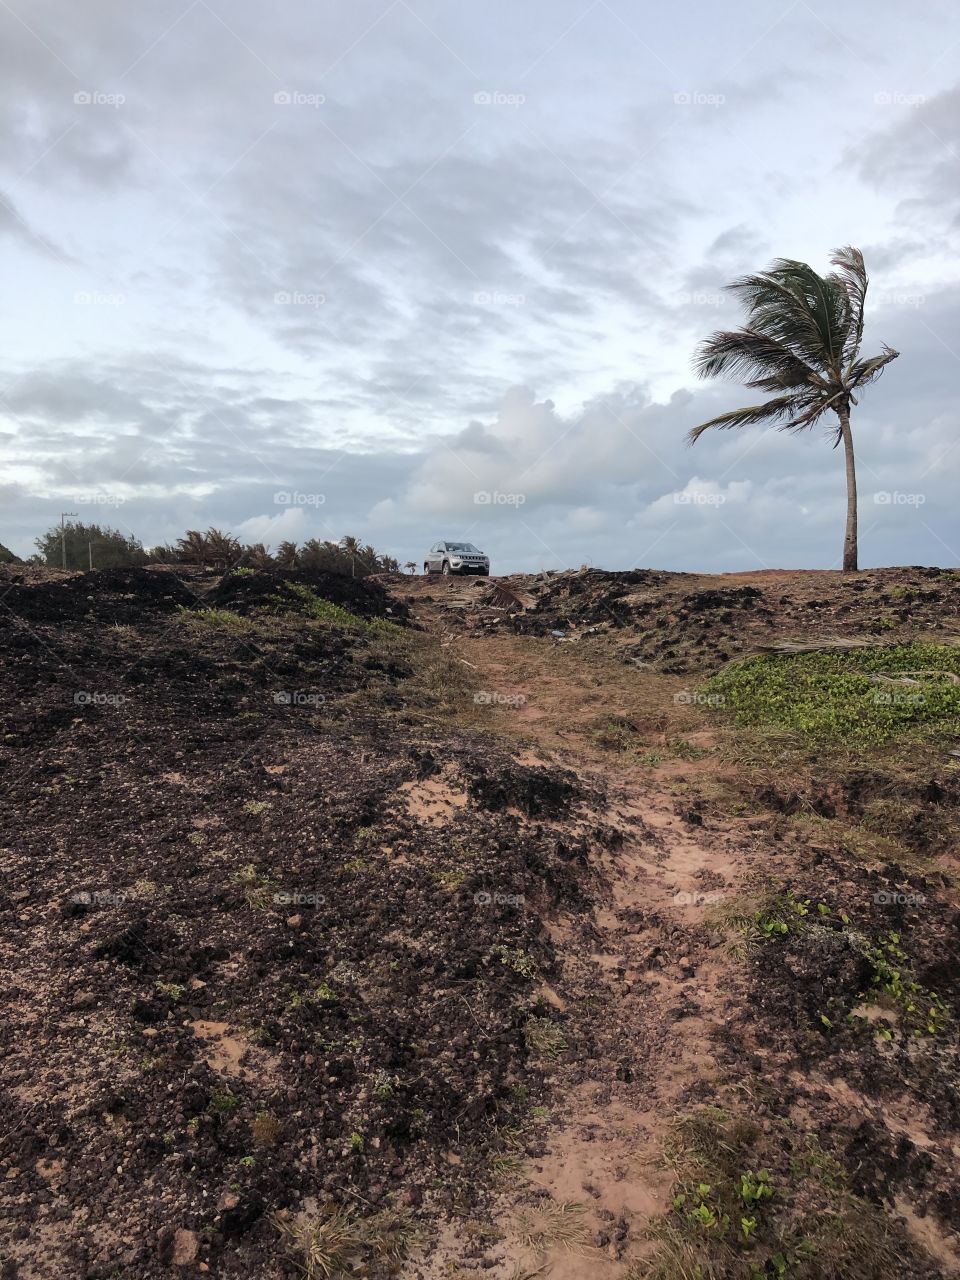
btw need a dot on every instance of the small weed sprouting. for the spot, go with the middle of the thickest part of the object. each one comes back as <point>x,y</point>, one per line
<point>172,990</point>
<point>223,1103</point>
<point>256,807</point>
<point>384,1086</point>
<point>516,959</point>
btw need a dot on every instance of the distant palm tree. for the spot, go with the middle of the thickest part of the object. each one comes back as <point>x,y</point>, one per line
<point>222,548</point>
<point>258,557</point>
<point>802,343</point>
<point>287,555</point>
<point>412,566</point>
<point>192,548</point>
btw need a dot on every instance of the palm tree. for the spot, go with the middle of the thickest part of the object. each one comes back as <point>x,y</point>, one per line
<point>412,566</point>
<point>287,555</point>
<point>802,342</point>
<point>258,557</point>
<point>192,548</point>
<point>224,550</point>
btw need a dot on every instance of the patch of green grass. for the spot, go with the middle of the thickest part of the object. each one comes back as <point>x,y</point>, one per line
<point>864,696</point>
<point>223,619</point>
<point>751,1202</point>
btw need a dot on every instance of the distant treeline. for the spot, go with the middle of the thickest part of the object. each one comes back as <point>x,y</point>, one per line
<point>75,545</point>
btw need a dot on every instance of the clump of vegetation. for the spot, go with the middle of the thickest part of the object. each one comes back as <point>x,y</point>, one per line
<point>750,1204</point>
<point>223,1103</point>
<point>552,1224</point>
<point>544,1038</point>
<point>783,919</point>
<point>338,1243</point>
<point>224,619</point>
<point>264,1129</point>
<point>516,958</point>
<point>861,696</point>
<point>921,1010</point>
<point>256,888</point>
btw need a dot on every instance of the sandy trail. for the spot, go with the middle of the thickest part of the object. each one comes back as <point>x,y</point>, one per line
<point>656,986</point>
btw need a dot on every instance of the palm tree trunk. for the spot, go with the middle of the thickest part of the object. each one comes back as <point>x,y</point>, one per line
<point>850,538</point>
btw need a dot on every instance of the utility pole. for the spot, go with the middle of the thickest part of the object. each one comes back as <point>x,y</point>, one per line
<point>63,536</point>
<point>90,554</point>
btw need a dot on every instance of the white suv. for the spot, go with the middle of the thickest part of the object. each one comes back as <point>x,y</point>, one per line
<point>456,557</point>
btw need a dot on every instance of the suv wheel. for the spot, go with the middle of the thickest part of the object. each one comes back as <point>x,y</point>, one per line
<point>446,569</point>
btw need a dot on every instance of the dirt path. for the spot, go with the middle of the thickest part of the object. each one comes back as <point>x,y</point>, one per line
<point>645,989</point>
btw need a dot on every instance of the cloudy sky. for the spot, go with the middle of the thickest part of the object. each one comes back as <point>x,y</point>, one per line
<point>421,269</point>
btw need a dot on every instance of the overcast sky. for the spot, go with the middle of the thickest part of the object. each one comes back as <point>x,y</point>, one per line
<point>423,269</point>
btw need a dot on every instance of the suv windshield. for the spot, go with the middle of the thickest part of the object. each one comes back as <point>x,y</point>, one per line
<point>460,546</point>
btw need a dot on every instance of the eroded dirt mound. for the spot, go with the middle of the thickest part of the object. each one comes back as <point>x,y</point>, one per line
<point>106,595</point>
<point>244,591</point>
<point>680,623</point>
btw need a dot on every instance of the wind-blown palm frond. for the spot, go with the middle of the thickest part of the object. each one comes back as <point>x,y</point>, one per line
<point>862,372</point>
<point>852,277</point>
<point>729,352</point>
<point>789,406</point>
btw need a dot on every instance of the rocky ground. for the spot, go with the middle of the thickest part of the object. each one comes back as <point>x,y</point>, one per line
<point>440,929</point>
